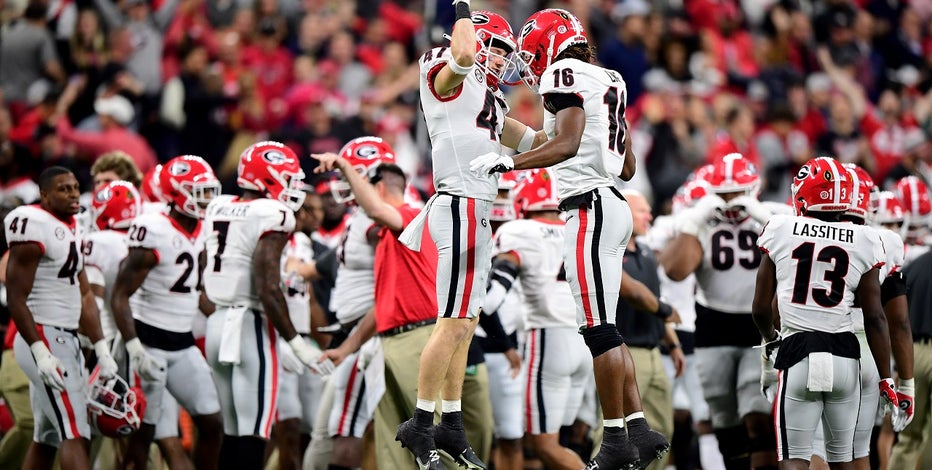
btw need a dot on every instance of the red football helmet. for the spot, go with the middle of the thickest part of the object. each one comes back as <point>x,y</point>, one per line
<point>150,188</point>
<point>189,183</point>
<point>861,193</point>
<point>914,194</point>
<point>364,154</point>
<point>272,169</point>
<point>539,192</point>
<point>115,408</point>
<point>493,31</point>
<point>543,37</point>
<point>888,210</point>
<point>822,185</point>
<point>703,173</point>
<point>690,192</point>
<point>115,205</point>
<point>732,173</point>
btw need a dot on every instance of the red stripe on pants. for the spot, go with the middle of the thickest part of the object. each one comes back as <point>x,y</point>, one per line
<point>581,265</point>
<point>346,398</point>
<point>530,374</point>
<point>69,410</point>
<point>273,356</point>
<point>470,255</point>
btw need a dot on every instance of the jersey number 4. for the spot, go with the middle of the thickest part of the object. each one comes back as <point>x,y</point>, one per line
<point>834,256</point>
<point>70,268</point>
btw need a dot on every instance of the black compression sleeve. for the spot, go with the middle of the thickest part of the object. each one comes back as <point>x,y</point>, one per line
<point>554,102</point>
<point>893,286</point>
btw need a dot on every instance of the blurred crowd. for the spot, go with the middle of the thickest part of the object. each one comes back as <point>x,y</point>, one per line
<point>777,80</point>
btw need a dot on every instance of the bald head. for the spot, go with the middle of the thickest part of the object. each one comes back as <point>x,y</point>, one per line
<point>640,212</point>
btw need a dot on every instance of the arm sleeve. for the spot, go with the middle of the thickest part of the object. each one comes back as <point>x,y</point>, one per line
<point>498,340</point>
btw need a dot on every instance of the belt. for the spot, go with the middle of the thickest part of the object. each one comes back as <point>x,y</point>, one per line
<point>406,328</point>
<point>585,199</point>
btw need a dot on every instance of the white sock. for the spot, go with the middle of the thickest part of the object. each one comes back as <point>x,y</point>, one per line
<point>709,455</point>
<point>633,416</point>
<point>451,406</point>
<point>613,423</point>
<point>426,405</point>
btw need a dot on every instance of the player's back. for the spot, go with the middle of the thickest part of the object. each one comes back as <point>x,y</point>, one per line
<point>55,297</point>
<point>299,247</point>
<point>601,153</point>
<point>104,250</point>
<point>818,269</point>
<point>462,126</point>
<point>727,274</point>
<point>354,291</point>
<point>233,227</point>
<point>539,245</point>
<point>168,297</point>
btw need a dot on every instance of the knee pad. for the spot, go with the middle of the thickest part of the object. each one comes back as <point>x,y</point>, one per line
<point>733,443</point>
<point>602,338</point>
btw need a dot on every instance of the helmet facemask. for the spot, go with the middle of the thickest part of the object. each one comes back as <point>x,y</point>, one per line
<point>197,196</point>
<point>492,49</point>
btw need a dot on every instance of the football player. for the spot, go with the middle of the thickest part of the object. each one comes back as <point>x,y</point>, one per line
<point>465,114</point>
<point>49,298</point>
<point>245,239</point>
<point>716,240</point>
<point>529,251</point>
<point>588,147</point>
<point>914,196</point>
<point>814,264</point>
<point>155,297</point>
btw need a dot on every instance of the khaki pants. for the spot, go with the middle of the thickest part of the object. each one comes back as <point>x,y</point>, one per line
<point>402,357</point>
<point>655,390</point>
<point>14,386</point>
<point>912,445</point>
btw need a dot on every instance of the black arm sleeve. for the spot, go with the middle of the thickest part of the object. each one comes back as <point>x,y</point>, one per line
<point>554,102</point>
<point>893,286</point>
<point>497,341</point>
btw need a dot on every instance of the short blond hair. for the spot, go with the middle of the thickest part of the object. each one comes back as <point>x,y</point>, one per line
<point>120,163</point>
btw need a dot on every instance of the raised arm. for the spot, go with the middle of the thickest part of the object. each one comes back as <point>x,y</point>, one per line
<point>367,197</point>
<point>463,49</point>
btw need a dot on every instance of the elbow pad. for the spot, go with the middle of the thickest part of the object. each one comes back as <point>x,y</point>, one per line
<point>501,279</point>
<point>893,286</point>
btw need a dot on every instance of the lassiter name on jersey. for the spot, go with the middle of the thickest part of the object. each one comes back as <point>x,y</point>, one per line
<point>471,106</point>
<point>233,228</point>
<point>55,298</point>
<point>601,154</point>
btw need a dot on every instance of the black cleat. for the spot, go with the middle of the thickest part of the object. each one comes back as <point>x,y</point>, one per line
<point>420,442</point>
<point>454,443</point>
<point>620,455</point>
<point>651,446</point>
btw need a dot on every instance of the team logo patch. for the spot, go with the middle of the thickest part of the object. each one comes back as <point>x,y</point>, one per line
<point>828,176</point>
<point>479,74</point>
<point>367,152</point>
<point>274,157</point>
<point>125,430</point>
<point>480,18</point>
<point>179,169</point>
<point>803,173</point>
<point>176,243</point>
<point>825,195</point>
<point>561,29</point>
<point>59,233</point>
<point>60,339</point>
<point>484,223</point>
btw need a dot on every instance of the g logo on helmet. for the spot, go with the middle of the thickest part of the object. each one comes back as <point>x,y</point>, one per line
<point>179,169</point>
<point>803,172</point>
<point>480,18</point>
<point>274,157</point>
<point>125,430</point>
<point>367,152</point>
<point>103,195</point>
<point>528,28</point>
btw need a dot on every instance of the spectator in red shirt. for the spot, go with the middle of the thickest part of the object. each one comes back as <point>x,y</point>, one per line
<point>115,114</point>
<point>739,130</point>
<point>405,300</point>
<point>272,65</point>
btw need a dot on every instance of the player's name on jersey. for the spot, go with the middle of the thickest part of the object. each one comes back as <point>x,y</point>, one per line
<point>231,211</point>
<point>841,234</point>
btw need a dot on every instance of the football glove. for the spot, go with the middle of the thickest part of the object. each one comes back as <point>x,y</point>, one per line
<point>49,366</point>
<point>491,163</point>
<point>148,366</point>
<point>108,367</point>
<point>903,413</point>
<point>690,220</point>
<point>888,398</point>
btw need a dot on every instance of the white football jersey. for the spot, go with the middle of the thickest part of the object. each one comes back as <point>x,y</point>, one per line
<point>168,297</point>
<point>103,252</point>
<point>233,228</point>
<point>601,154</point>
<point>55,299</point>
<point>295,289</point>
<point>681,295</point>
<point>818,268</point>
<point>463,126</point>
<point>726,277</point>
<point>895,259</point>
<point>548,299</point>
<point>354,291</point>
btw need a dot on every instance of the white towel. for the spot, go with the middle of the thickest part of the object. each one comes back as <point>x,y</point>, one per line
<point>232,335</point>
<point>412,234</point>
<point>374,373</point>
<point>821,372</point>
